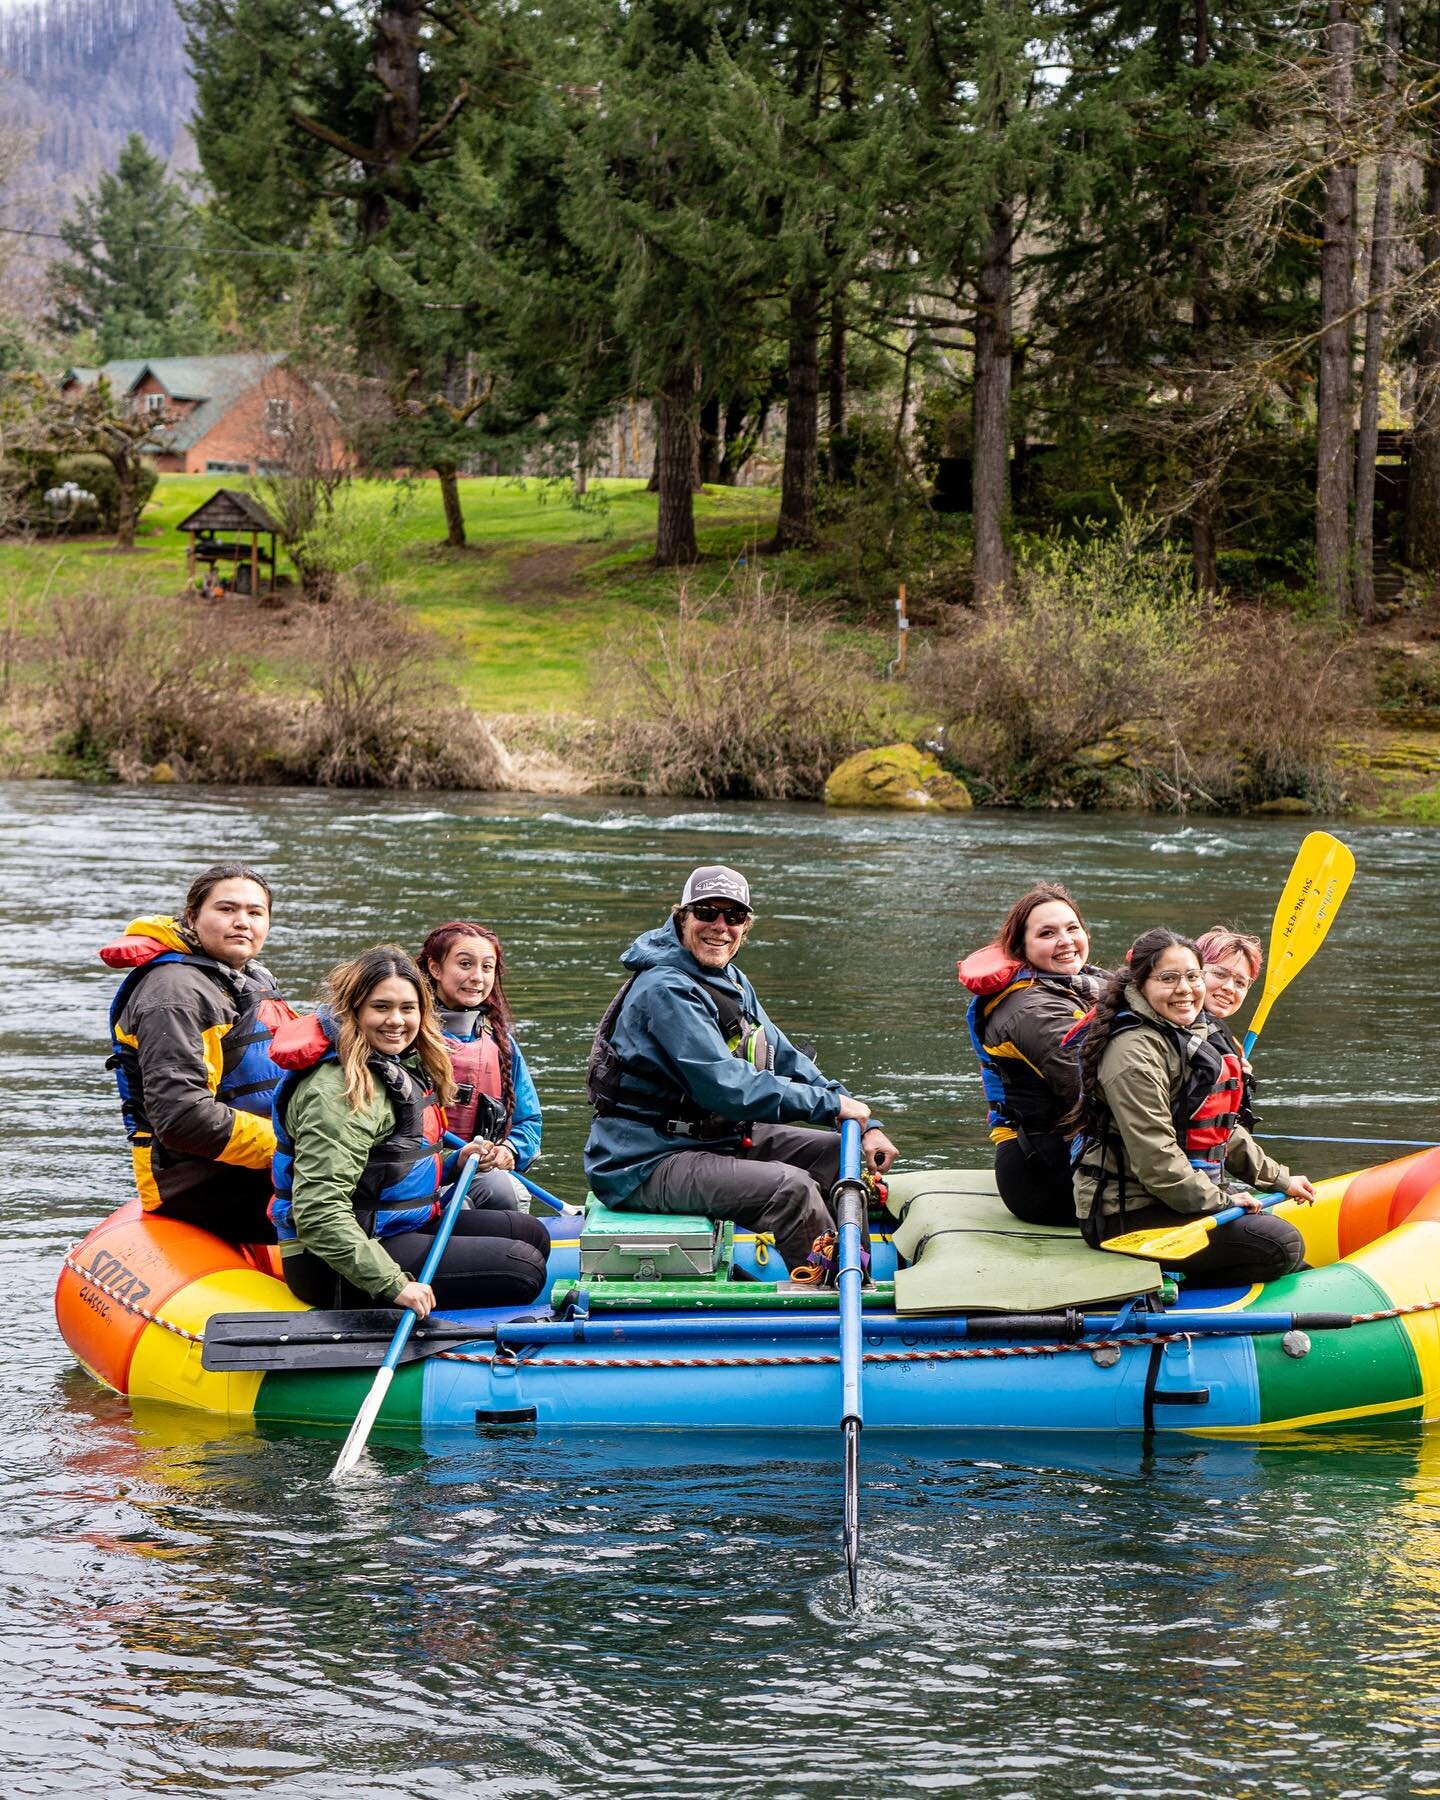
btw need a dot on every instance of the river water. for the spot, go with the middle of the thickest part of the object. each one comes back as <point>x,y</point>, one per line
<point>190,1608</point>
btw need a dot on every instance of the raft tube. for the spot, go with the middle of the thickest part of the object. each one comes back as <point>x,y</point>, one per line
<point>133,1299</point>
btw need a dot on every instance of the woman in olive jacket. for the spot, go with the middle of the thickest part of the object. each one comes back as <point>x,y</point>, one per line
<point>1158,1118</point>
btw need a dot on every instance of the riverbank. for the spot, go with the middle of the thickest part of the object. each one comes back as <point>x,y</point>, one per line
<point>550,612</point>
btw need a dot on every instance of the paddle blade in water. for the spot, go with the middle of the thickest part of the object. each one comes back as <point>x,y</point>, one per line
<point>1318,882</point>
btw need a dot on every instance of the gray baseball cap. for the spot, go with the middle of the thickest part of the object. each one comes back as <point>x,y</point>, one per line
<point>716,882</point>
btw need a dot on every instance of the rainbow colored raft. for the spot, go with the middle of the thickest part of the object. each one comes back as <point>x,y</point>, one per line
<point>133,1301</point>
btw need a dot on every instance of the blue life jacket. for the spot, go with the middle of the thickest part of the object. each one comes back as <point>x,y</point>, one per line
<point>399,1188</point>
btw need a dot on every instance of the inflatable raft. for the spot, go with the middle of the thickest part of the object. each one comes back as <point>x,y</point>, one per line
<point>973,1322</point>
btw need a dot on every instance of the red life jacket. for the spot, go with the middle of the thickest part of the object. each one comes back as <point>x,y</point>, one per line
<point>476,1062</point>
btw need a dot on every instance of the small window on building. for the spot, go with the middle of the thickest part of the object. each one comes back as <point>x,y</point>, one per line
<point>227,468</point>
<point>155,406</point>
<point>277,416</point>
<point>272,468</point>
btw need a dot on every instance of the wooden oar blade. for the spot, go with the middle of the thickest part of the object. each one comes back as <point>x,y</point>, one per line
<point>1319,880</point>
<point>1172,1242</point>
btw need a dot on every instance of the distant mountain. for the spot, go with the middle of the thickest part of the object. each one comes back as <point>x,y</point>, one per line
<point>76,76</point>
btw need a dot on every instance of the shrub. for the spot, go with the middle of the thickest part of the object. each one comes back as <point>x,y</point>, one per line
<point>132,686</point>
<point>1094,638</point>
<point>746,693</point>
<point>382,715</point>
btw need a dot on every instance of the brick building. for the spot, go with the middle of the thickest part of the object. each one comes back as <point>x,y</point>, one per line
<point>228,415</point>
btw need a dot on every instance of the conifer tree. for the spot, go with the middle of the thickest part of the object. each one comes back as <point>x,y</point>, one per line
<point>129,277</point>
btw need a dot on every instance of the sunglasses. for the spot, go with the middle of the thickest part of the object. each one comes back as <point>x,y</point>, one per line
<point>707,912</point>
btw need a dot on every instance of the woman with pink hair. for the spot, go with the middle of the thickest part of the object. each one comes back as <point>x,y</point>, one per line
<point>1231,960</point>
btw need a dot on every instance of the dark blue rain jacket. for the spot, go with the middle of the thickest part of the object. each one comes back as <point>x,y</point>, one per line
<point>670,1042</point>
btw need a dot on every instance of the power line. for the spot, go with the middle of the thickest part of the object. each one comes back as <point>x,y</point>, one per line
<point>55,237</point>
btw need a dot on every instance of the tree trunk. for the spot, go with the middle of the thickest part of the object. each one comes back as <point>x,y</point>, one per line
<point>450,500</point>
<point>992,402</point>
<point>1204,549</point>
<point>395,63</point>
<point>1381,261</point>
<point>677,447</point>
<point>839,461</point>
<point>710,448</point>
<point>1334,457</point>
<point>127,470</point>
<point>1422,509</point>
<point>802,422</point>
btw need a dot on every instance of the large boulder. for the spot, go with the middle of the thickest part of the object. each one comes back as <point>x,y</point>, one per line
<point>896,775</point>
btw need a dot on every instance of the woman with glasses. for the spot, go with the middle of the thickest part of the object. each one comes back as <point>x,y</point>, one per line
<point>1158,1119</point>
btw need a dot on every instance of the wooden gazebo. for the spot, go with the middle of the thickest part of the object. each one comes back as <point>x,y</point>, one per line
<point>230,511</point>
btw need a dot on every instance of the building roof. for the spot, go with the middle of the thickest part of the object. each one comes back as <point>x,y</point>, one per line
<point>228,509</point>
<point>215,383</point>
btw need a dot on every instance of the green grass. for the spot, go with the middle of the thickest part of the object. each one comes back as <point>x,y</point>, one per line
<point>525,625</point>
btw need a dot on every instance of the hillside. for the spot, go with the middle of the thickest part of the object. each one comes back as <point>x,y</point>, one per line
<point>79,75</point>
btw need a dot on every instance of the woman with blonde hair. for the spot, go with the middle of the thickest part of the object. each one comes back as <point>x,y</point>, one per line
<point>359,1163</point>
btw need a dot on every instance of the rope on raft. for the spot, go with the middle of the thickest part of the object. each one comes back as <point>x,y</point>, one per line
<point>977,1353</point>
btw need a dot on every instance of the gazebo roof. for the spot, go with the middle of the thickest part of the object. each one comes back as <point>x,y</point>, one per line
<point>228,509</point>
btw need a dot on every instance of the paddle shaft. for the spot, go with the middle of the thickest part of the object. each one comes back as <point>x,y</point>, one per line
<point>848,1199</point>
<point>1155,1242</point>
<point>354,1444</point>
<point>531,1187</point>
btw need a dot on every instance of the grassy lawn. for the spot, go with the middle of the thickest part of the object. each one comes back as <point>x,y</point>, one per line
<point>542,586</point>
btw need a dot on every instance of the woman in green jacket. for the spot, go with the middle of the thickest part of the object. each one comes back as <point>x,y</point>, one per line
<point>1158,1118</point>
<point>359,1160</point>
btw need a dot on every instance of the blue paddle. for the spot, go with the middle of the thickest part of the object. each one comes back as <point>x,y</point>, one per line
<point>530,1186</point>
<point>848,1200</point>
<point>350,1450</point>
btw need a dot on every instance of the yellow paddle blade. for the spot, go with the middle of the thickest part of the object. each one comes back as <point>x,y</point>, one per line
<point>1318,882</point>
<point>1163,1243</point>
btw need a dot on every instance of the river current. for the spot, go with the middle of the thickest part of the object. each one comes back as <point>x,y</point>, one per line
<point>187,1607</point>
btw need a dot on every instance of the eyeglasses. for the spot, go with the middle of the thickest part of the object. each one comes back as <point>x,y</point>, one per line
<point>1173,977</point>
<point>1228,978</point>
<point>707,912</point>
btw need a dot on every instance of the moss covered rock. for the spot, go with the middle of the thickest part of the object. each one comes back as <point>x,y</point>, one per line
<point>896,775</point>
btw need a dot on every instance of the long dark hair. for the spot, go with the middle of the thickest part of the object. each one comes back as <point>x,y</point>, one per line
<point>1011,935</point>
<point>496,1008</point>
<point>1090,1115</point>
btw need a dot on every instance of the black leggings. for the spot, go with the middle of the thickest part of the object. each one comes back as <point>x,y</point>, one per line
<point>1036,1185</point>
<point>493,1259</point>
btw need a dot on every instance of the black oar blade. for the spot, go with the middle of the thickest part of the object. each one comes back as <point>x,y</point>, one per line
<point>852,1507</point>
<point>354,1339</point>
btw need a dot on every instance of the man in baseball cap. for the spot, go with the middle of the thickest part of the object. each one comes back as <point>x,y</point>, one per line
<point>702,1104</point>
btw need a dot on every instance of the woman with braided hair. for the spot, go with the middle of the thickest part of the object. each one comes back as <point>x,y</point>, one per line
<point>1158,1121</point>
<point>495,1099</point>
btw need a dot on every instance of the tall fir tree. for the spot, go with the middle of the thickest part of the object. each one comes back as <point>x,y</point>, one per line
<point>130,278</point>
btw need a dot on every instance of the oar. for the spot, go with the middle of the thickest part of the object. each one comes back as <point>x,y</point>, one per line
<point>1319,878</point>
<point>530,1186</point>
<point>848,1199</point>
<point>1173,1243</point>
<point>369,1411</point>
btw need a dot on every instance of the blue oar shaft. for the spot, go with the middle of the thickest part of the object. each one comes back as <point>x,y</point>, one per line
<point>531,1187</point>
<point>370,1407</point>
<point>1294,1137</point>
<point>850,1211</point>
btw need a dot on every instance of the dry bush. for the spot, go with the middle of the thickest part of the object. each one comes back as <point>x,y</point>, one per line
<point>1280,694</point>
<point>131,686</point>
<point>745,693</point>
<point>1092,638</point>
<point>382,715</point>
